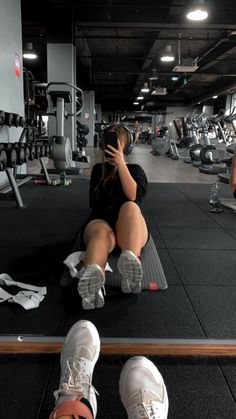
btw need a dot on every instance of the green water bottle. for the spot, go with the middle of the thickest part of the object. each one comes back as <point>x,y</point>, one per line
<point>63,178</point>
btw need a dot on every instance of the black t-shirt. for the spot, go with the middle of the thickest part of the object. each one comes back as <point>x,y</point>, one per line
<point>235,193</point>
<point>110,197</point>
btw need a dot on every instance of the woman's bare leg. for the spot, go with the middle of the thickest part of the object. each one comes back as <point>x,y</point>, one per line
<point>100,240</point>
<point>131,228</point>
<point>132,235</point>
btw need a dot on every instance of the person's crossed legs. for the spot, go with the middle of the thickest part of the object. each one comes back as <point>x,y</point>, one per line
<point>141,386</point>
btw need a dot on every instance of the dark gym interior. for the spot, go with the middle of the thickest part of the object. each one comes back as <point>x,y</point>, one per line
<point>98,57</point>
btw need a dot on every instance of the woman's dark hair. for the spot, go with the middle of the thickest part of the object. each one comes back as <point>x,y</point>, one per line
<point>111,175</point>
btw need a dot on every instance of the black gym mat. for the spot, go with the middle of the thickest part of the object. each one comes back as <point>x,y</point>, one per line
<point>198,387</point>
<point>196,249</point>
<point>149,314</point>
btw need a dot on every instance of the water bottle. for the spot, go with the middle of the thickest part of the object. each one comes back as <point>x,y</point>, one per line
<point>214,194</point>
<point>63,177</point>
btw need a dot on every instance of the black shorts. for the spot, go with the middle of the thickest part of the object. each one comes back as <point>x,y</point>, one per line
<point>110,218</point>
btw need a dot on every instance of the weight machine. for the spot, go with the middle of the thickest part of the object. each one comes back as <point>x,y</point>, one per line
<point>63,156</point>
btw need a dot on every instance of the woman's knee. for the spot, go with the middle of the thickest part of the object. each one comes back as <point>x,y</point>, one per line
<point>129,207</point>
<point>99,230</point>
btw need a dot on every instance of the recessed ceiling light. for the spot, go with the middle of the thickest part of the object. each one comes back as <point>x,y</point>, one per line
<point>145,88</point>
<point>198,11</point>
<point>29,52</point>
<point>168,55</point>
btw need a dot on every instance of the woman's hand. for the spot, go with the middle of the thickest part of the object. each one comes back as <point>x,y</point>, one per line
<point>116,157</point>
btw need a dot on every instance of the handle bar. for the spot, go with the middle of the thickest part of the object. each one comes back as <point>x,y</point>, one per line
<point>63,83</point>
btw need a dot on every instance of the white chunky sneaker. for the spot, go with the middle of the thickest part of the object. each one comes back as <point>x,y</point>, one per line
<point>91,283</point>
<point>131,272</point>
<point>142,390</point>
<point>78,358</point>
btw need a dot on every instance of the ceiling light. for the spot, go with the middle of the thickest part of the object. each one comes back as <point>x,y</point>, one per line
<point>29,52</point>
<point>135,103</point>
<point>197,11</point>
<point>145,88</point>
<point>174,78</point>
<point>214,97</point>
<point>154,75</point>
<point>140,97</point>
<point>168,55</point>
<point>159,91</point>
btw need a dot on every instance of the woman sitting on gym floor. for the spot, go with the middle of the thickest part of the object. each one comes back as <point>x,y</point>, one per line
<point>233,174</point>
<point>116,191</point>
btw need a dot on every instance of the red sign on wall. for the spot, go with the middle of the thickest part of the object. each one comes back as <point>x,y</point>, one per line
<point>17,65</point>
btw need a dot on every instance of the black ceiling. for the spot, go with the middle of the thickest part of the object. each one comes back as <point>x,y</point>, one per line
<point>120,42</point>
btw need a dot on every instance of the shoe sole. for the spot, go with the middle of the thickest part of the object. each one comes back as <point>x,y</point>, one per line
<point>131,272</point>
<point>89,287</point>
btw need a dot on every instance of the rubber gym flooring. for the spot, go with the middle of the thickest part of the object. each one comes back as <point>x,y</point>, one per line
<point>198,388</point>
<point>196,248</point>
<point>197,251</point>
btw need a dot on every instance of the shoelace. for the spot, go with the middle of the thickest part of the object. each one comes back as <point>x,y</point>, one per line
<point>147,411</point>
<point>75,381</point>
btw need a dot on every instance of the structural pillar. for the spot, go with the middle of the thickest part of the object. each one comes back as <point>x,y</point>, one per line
<point>87,116</point>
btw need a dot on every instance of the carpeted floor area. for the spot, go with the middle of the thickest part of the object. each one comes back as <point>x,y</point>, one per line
<point>196,248</point>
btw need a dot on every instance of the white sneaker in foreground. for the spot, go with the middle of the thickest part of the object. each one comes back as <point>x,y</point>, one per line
<point>78,358</point>
<point>92,279</point>
<point>131,272</point>
<point>142,390</point>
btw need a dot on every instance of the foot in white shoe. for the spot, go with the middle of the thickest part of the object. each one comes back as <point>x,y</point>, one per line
<point>142,390</point>
<point>131,272</point>
<point>92,279</point>
<point>78,358</point>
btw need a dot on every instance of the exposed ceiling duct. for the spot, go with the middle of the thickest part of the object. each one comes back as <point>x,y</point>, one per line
<point>224,89</point>
<point>187,65</point>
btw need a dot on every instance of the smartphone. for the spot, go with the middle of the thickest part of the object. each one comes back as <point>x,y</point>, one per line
<point>110,137</point>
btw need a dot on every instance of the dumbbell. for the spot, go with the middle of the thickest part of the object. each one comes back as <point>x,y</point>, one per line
<point>43,150</point>
<point>20,152</point>
<point>38,151</point>
<point>22,121</point>
<point>11,154</point>
<point>23,152</point>
<point>32,151</point>
<point>29,122</point>
<point>8,119</point>
<point>3,160</point>
<point>16,120</point>
<point>47,150</point>
<point>2,118</point>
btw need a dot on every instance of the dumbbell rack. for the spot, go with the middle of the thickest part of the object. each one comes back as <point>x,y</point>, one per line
<point>6,195</point>
<point>16,156</point>
<point>11,192</point>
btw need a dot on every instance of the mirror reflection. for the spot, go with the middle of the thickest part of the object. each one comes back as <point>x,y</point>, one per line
<point>126,162</point>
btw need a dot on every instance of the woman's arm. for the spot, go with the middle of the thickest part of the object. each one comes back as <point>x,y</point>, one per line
<point>232,180</point>
<point>129,185</point>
